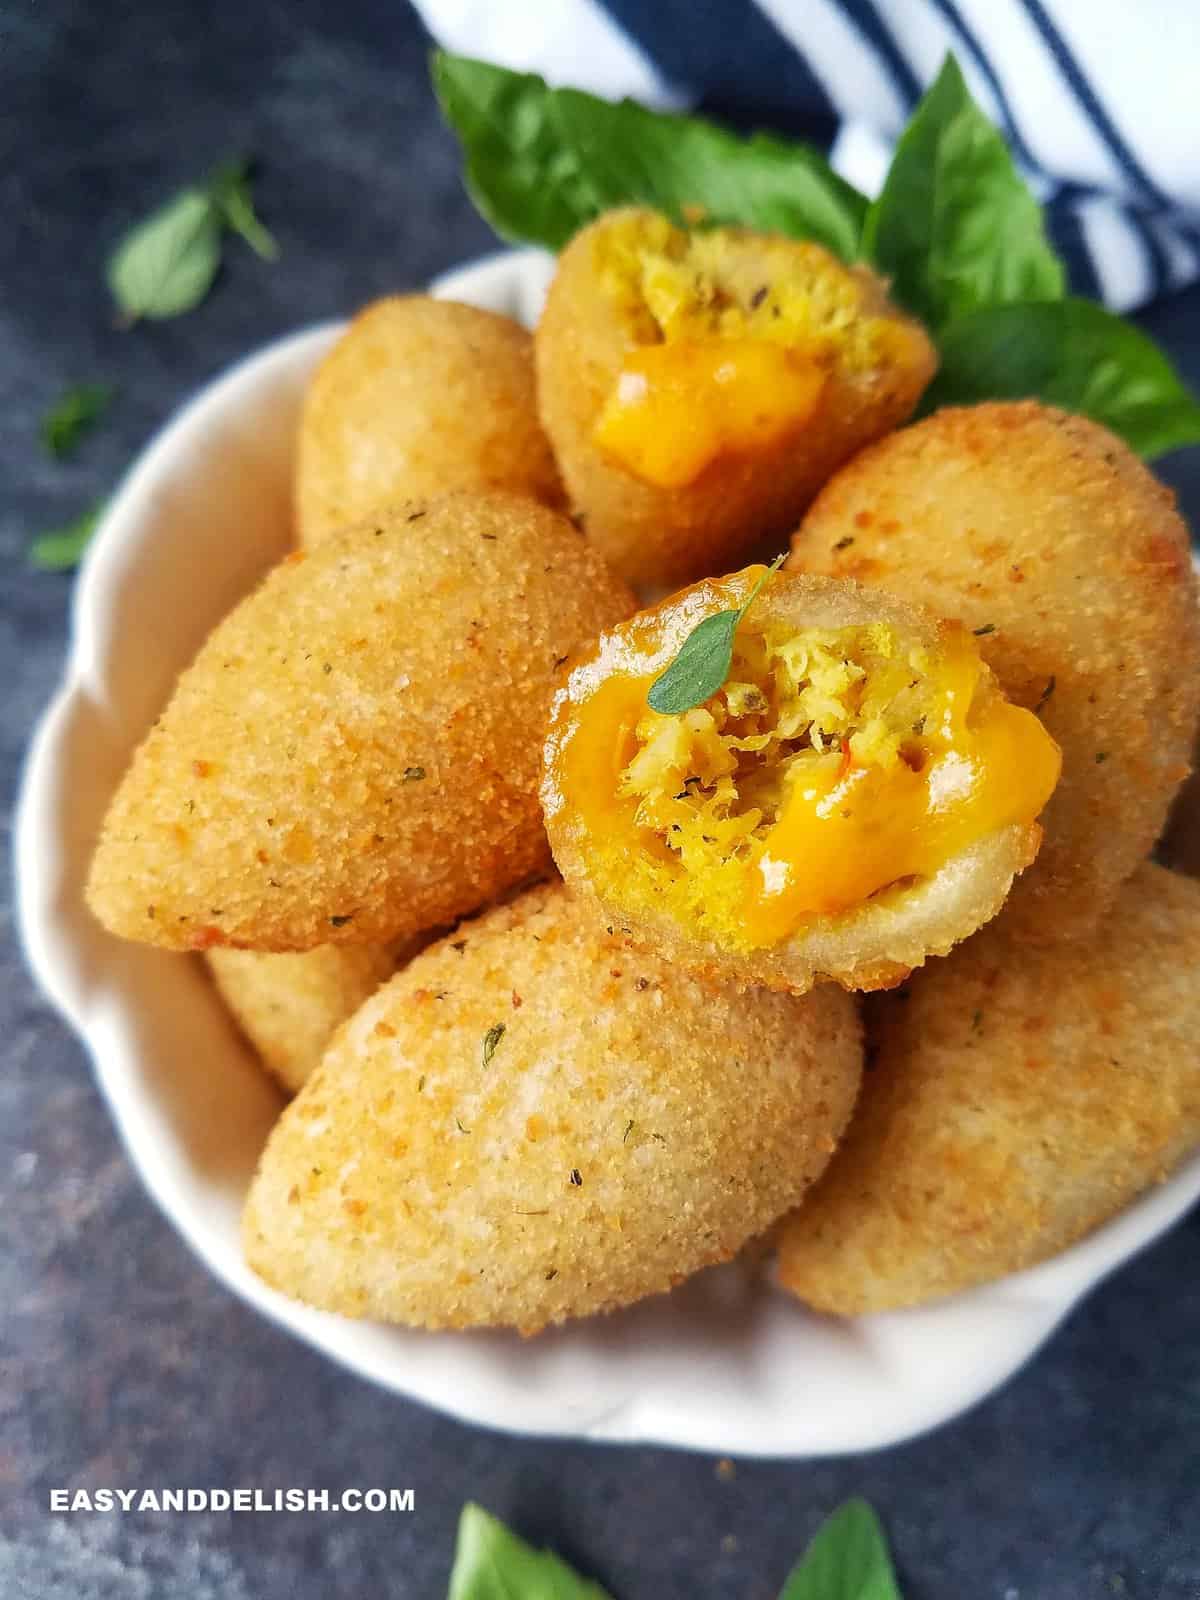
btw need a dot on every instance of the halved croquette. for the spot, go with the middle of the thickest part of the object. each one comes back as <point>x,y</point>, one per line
<point>856,795</point>
<point>699,385</point>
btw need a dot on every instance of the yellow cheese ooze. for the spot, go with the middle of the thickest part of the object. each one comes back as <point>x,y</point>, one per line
<point>853,831</point>
<point>679,406</point>
<point>694,814</point>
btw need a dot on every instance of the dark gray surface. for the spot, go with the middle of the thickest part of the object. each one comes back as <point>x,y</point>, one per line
<point>122,1362</point>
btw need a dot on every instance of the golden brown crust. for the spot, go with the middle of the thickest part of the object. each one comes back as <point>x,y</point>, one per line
<point>353,756</point>
<point>418,398</point>
<point>851,950</point>
<point>290,1005</point>
<point>629,1126</point>
<point>658,538</point>
<point>1044,529</point>
<point>1016,1097</point>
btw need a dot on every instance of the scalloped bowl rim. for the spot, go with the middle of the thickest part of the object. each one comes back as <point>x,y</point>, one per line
<point>723,1364</point>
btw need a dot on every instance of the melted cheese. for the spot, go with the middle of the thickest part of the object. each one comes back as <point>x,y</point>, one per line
<point>677,407</point>
<point>849,831</point>
<point>832,766</point>
<point>732,339</point>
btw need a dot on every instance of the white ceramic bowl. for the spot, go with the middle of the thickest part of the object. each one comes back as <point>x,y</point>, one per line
<point>723,1364</point>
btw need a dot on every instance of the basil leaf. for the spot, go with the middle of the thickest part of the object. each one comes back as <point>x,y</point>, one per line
<point>166,265</point>
<point>73,415</point>
<point>847,1560</point>
<point>61,550</point>
<point>954,227</point>
<point>490,1563</point>
<point>231,194</point>
<point>542,162</point>
<point>1073,354</point>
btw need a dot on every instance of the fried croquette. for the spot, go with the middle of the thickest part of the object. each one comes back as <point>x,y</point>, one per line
<point>290,1005</point>
<point>353,756</point>
<point>1049,539</point>
<point>531,1123</point>
<point>417,398</point>
<point>857,795</point>
<point>1017,1096</point>
<point>699,387</point>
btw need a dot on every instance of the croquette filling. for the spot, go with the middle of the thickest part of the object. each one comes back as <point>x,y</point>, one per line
<point>733,339</point>
<point>835,765</point>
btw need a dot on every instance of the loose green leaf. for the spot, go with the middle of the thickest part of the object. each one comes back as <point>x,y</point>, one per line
<point>166,265</point>
<point>542,162</point>
<point>490,1563</point>
<point>231,193</point>
<point>704,658</point>
<point>1073,354</point>
<point>61,550</point>
<point>491,1041</point>
<point>847,1560</point>
<point>73,415</point>
<point>955,227</point>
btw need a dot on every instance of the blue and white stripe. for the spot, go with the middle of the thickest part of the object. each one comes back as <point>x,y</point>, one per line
<point>1100,99</point>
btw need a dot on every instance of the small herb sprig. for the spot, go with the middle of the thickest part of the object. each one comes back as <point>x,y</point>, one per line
<point>163,267</point>
<point>847,1560</point>
<point>62,548</point>
<point>74,414</point>
<point>705,656</point>
<point>166,264</point>
<point>955,230</point>
<point>491,1042</point>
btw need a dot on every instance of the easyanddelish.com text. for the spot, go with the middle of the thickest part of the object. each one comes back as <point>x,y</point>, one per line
<point>232,1500</point>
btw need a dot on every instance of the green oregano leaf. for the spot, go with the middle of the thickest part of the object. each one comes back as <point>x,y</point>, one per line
<point>166,265</point>
<point>74,414</point>
<point>62,549</point>
<point>230,190</point>
<point>704,658</point>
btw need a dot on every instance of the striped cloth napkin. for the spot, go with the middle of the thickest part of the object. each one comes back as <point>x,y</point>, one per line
<point>1099,99</point>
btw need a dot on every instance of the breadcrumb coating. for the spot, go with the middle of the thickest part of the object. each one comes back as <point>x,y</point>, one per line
<point>353,756</point>
<point>1047,536</point>
<point>532,1122</point>
<point>289,1005</point>
<point>630,282</point>
<point>420,397</point>
<point>1016,1097</point>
